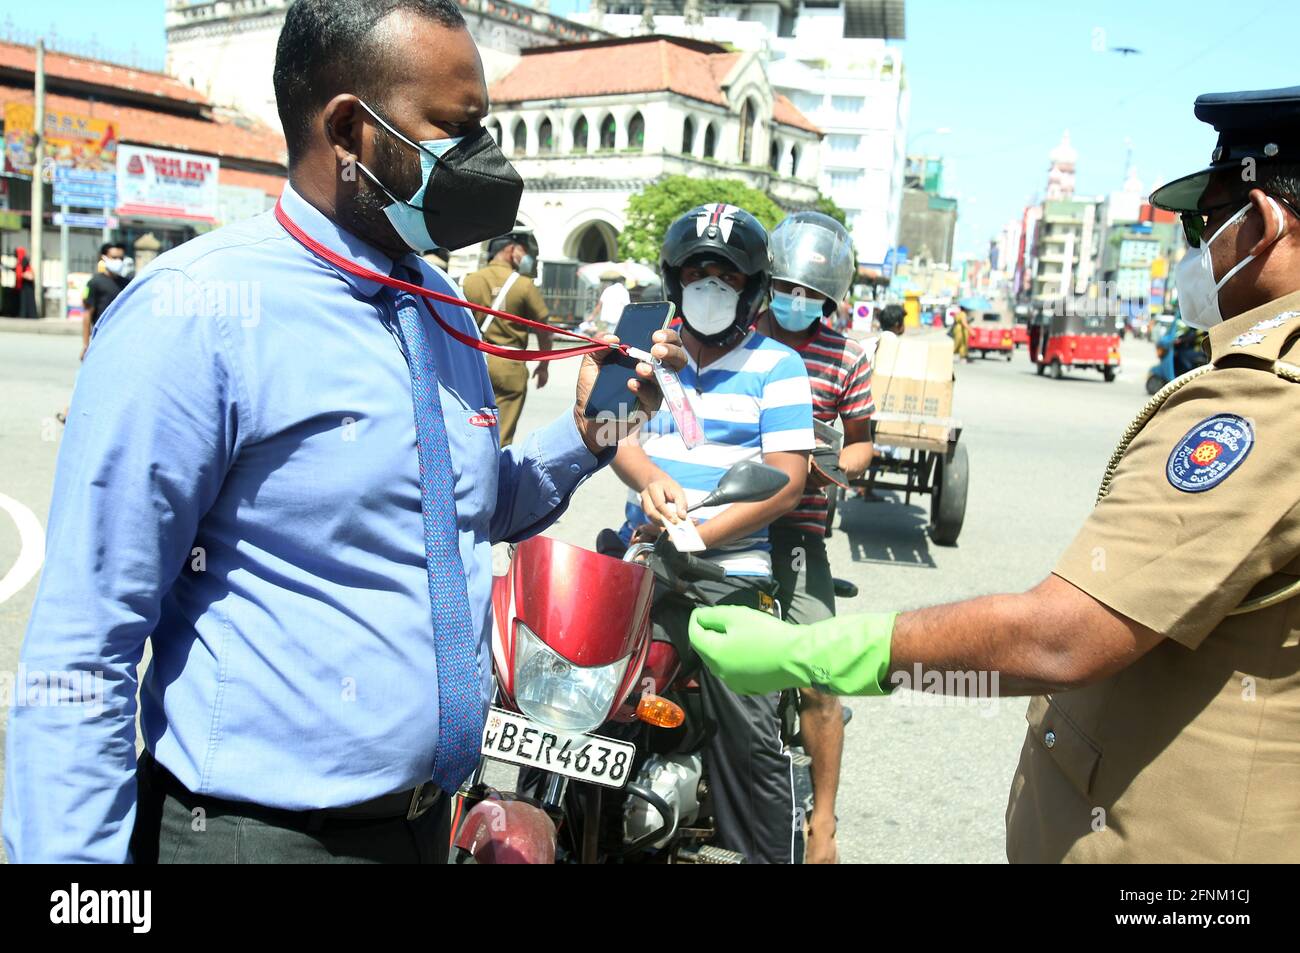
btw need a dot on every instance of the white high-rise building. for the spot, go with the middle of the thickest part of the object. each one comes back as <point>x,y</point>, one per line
<point>832,59</point>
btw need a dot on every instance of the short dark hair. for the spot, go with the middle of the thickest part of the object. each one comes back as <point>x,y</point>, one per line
<point>104,248</point>
<point>326,47</point>
<point>891,317</point>
<point>1281,181</point>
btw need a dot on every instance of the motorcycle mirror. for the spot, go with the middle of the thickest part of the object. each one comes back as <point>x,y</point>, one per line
<point>746,482</point>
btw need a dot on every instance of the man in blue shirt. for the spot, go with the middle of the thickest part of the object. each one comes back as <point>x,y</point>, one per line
<point>248,482</point>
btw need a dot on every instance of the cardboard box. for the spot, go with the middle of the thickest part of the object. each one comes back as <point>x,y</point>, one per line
<point>913,375</point>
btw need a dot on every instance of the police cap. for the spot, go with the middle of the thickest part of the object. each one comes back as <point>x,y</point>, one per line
<point>1255,127</point>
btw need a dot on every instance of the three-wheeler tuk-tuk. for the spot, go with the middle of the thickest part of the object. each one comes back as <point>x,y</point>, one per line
<point>1062,342</point>
<point>992,331</point>
<point>1020,330</point>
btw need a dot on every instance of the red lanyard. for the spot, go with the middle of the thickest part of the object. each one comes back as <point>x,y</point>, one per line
<point>509,353</point>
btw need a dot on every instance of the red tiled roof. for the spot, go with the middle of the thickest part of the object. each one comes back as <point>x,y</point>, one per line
<point>643,65</point>
<point>149,127</point>
<point>786,113</point>
<point>99,72</point>
<point>603,70</point>
<point>720,64</point>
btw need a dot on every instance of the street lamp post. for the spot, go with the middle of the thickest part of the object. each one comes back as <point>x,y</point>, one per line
<point>38,181</point>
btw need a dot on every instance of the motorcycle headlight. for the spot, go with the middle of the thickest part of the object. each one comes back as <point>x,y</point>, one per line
<point>557,693</point>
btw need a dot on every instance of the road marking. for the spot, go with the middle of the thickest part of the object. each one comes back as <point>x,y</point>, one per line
<point>31,547</point>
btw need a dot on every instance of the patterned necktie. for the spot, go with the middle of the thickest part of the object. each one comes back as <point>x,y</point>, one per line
<point>460,704</point>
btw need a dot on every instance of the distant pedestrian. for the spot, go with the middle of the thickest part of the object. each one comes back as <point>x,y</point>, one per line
<point>104,286</point>
<point>961,334</point>
<point>25,285</point>
<point>891,326</point>
<point>613,299</point>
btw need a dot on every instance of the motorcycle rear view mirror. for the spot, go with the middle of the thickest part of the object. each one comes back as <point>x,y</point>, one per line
<point>746,482</point>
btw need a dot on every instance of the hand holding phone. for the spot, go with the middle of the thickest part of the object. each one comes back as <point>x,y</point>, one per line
<point>610,397</point>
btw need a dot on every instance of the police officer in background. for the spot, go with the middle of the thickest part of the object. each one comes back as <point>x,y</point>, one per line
<point>506,284</point>
<point>1162,651</point>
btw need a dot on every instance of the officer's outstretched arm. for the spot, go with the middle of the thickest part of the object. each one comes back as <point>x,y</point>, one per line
<point>1053,637</point>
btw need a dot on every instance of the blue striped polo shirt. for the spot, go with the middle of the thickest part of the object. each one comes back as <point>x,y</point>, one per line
<point>753,400</point>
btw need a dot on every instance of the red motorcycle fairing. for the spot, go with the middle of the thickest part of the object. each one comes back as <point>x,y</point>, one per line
<point>590,609</point>
<point>508,832</point>
<point>661,665</point>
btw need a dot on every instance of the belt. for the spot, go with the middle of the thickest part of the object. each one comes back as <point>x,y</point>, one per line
<point>400,805</point>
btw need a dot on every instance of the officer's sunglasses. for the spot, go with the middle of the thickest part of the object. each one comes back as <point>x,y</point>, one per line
<point>1194,223</point>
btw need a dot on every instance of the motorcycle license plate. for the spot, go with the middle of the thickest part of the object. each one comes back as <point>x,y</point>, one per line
<point>513,738</point>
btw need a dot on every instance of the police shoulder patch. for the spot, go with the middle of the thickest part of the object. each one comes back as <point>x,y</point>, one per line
<point>1209,452</point>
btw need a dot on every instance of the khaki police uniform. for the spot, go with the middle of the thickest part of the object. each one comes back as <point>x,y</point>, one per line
<point>1192,753</point>
<point>509,378</point>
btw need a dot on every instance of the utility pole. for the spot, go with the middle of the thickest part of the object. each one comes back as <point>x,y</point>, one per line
<point>38,182</point>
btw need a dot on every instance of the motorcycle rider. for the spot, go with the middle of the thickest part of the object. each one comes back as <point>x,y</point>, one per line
<point>752,397</point>
<point>813,264</point>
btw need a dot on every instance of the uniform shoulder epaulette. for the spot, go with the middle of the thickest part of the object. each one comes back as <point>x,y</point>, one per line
<point>1262,344</point>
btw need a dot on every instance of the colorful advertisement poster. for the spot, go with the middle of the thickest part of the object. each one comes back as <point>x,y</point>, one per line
<point>159,183</point>
<point>72,141</point>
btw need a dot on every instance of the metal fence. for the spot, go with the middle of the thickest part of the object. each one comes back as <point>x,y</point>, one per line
<point>569,307</point>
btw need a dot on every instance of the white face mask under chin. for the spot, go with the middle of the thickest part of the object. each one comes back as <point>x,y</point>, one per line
<point>1198,292</point>
<point>709,306</point>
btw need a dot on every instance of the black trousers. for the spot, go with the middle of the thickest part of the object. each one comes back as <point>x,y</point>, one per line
<point>177,827</point>
<point>750,775</point>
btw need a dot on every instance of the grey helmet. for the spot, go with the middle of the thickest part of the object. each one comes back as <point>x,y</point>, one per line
<point>815,251</point>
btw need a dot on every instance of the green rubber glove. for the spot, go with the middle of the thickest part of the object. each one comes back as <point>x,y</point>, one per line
<point>755,653</point>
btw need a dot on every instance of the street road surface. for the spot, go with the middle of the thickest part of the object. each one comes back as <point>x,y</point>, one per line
<point>922,783</point>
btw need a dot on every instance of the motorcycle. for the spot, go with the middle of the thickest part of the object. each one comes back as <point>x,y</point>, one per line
<point>573,653</point>
<point>1178,351</point>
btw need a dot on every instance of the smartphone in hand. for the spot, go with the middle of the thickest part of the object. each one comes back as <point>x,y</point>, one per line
<point>610,398</point>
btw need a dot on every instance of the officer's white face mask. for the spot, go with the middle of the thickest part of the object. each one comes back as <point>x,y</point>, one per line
<point>1198,292</point>
<point>709,306</point>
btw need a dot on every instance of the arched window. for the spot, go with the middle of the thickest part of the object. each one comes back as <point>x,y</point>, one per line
<point>580,135</point>
<point>608,132</point>
<point>747,131</point>
<point>636,132</point>
<point>521,137</point>
<point>688,136</point>
<point>794,160</point>
<point>774,155</point>
<point>545,138</point>
<point>710,141</point>
<point>494,130</point>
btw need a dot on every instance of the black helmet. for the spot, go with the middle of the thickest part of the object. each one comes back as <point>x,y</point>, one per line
<point>721,233</point>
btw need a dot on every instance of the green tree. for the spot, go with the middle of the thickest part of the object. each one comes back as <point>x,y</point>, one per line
<point>650,212</point>
<point>826,205</point>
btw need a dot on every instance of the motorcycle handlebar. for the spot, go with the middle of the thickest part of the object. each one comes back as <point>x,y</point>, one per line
<point>702,568</point>
<point>672,567</point>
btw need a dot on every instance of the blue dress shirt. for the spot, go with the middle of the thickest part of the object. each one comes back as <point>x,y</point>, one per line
<point>239,484</point>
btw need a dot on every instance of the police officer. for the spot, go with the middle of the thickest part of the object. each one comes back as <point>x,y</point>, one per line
<point>506,284</point>
<point>1162,651</point>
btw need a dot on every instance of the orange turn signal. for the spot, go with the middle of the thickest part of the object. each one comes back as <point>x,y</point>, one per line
<point>659,712</point>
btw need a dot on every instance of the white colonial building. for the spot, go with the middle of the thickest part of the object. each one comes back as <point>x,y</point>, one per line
<point>226,48</point>
<point>590,124</point>
<point>833,60</point>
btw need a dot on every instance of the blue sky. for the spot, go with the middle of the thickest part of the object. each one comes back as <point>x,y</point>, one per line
<point>1006,77</point>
